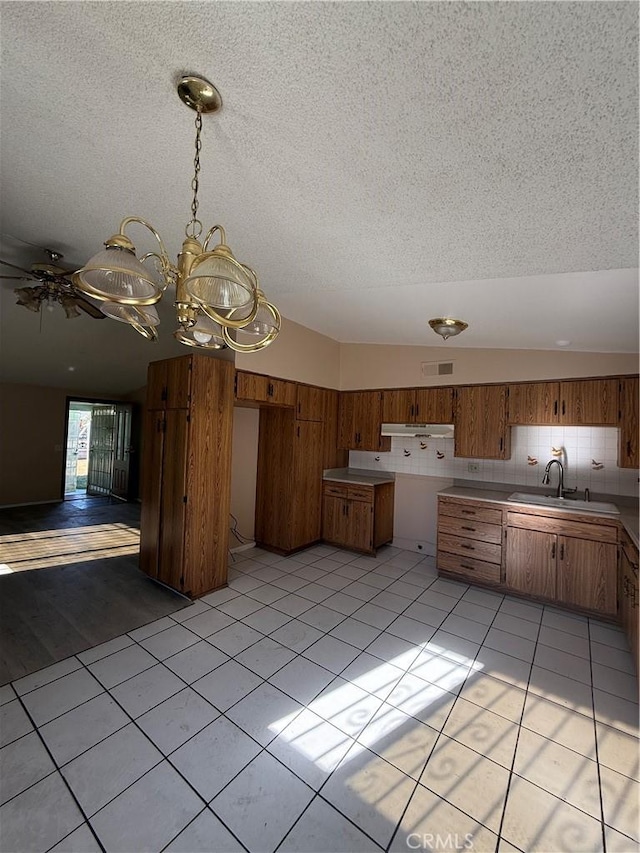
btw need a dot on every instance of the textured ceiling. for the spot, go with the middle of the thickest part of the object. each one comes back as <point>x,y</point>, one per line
<point>377,163</point>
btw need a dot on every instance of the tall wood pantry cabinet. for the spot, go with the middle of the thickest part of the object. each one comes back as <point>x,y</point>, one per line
<point>186,473</point>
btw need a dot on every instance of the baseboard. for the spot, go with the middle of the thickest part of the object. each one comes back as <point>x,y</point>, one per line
<point>246,547</point>
<point>417,545</point>
<point>31,503</point>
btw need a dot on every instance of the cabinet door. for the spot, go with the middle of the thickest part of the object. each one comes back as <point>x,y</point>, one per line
<point>310,403</point>
<point>629,601</point>
<point>174,490</point>
<point>334,520</point>
<point>434,406</point>
<point>251,387</point>
<point>179,382</point>
<point>399,406</point>
<point>151,491</point>
<point>629,453</point>
<point>530,561</point>
<point>480,423</point>
<point>306,496</point>
<point>157,385</point>
<point>333,457</point>
<point>281,393</point>
<point>367,419</point>
<point>592,402</point>
<point>534,403</point>
<point>346,412</point>
<point>587,574</point>
<point>359,525</point>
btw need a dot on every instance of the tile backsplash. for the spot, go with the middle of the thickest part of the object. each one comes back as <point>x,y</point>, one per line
<point>589,456</point>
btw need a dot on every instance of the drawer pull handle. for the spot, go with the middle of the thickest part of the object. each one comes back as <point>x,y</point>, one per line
<point>468,547</point>
<point>472,529</point>
<point>468,511</point>
<point>469,568</point>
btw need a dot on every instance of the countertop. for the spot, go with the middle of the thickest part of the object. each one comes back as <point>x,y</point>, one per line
<point>357,476</point>
<point>628,515</point>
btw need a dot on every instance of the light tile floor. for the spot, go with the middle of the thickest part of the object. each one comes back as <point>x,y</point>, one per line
<point>330,702</point>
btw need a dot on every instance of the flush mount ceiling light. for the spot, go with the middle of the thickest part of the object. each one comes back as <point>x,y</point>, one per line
<point>446,327</point>
<point>217,297</point>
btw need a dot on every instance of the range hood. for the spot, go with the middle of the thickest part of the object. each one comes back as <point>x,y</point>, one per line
<point>418,430</point>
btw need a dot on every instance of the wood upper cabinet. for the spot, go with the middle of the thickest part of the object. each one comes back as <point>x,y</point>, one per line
<point>169,383</point>
<point>251,386</point>
<point>589,402</point>
<point>311,403</point>
<point>186,473</point>
<point>481,430</point>
<point>398,406</point>
<point>434,405</point>
<point>629,452</point>
<point>256,388</point>
<point>360,421</point>
<point>417,405</point>
<point>333,457</point>
<point>534,403</point>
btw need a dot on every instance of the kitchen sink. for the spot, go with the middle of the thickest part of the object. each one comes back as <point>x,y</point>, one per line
<point>564,503</point>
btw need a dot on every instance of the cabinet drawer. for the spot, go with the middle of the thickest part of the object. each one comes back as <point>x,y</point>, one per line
<point>563,527</point>
<point>467,509</point>
<point>471,529</point>
<point>337,490</point>
<point>470,548</point>
<point>360,493</point>
<point>469,568</point>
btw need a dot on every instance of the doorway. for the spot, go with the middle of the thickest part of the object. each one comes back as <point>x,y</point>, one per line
<point>98,449</point>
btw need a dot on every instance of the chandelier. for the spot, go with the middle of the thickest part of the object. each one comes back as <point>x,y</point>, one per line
<point>218,300</point>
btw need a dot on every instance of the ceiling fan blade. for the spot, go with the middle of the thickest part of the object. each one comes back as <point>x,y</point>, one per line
<point>88,308</point>
<point>13,266</point>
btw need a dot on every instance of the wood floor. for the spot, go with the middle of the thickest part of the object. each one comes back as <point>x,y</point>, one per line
<point>72,581</point>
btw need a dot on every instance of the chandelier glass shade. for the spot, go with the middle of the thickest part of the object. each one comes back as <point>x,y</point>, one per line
<point>214,292</point>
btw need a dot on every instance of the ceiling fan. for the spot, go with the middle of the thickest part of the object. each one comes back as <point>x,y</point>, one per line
<point>53,285</point>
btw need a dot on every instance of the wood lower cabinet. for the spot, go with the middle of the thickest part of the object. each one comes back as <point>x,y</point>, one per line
<point>481,422</point>
<point>572,562</point>
<point>186,474</point>
<point>628,595</point>
<point>469,540</point>
<point>530,562</point>
<point>629,450</point>
<point>289,481</point>
<point>359,517</point>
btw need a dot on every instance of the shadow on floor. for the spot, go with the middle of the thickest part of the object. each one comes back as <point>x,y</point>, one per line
<point>72,581</point>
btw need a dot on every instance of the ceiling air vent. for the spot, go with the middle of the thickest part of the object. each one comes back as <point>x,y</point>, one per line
<point>436,368</point>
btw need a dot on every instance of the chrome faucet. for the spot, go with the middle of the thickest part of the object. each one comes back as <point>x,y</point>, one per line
<point>546,480</point>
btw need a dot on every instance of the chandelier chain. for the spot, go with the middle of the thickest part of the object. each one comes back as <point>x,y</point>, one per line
<point>194,227</point>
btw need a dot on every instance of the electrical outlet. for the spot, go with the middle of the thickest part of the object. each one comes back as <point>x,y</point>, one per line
<point>473,467</point>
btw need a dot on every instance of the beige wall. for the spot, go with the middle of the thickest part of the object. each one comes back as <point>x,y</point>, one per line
<point>243,470</point>
<point>381,366</point>
<point>297,353</point>
<point>32,438</point>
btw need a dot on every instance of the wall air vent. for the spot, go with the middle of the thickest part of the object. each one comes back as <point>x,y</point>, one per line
<point>436,368</point>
